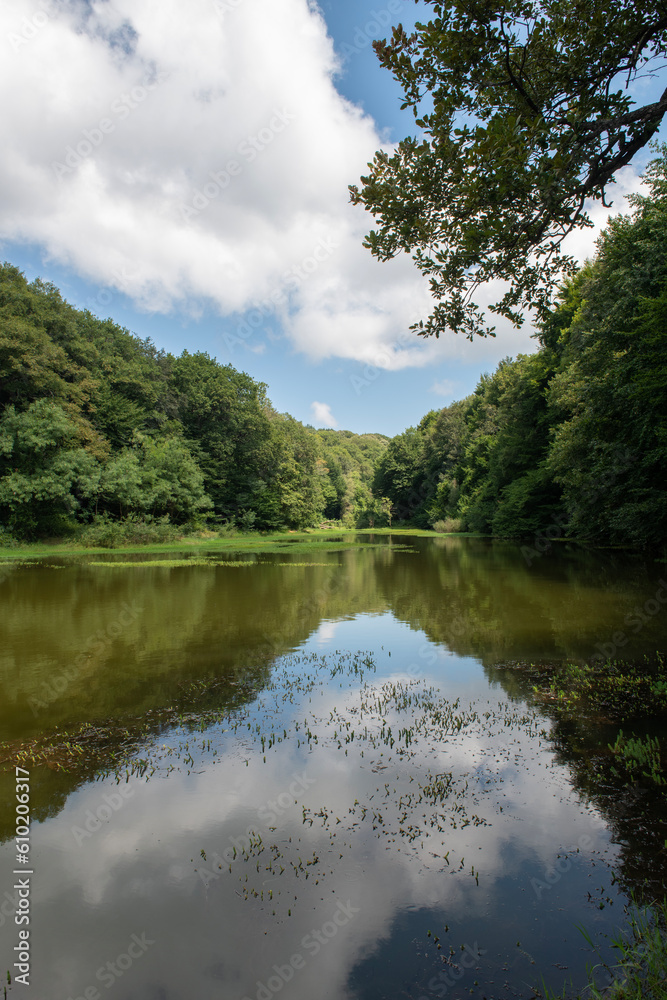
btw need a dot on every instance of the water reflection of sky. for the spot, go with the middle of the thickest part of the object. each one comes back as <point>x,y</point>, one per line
<point>399,652</point>
<point>356,927</point>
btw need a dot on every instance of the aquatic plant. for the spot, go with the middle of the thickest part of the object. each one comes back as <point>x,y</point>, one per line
<point>639,758</point>
<point>641,972</point>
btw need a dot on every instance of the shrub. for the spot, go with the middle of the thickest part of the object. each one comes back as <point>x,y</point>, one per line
<point>105,533</point>
<point>7,540</point>
<point>247,520</point>
<point>448,526</point>
<point>228,529</point>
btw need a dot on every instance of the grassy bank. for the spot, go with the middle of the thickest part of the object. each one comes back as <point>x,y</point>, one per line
<point>313,539</point>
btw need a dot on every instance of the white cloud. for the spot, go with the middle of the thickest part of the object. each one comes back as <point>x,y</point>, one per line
<point>187,154</point>
<point>322,414</point>
<point>581,243</point>
<point>445,387</point>
<point>183,154</point>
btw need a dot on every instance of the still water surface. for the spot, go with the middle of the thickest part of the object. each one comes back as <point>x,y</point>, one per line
<point>344,790</point>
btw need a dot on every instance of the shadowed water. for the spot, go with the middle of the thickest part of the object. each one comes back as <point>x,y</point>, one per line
<point>343,792</point>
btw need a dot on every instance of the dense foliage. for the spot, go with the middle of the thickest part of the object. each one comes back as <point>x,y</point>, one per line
<point>525,111</point>
<point>571,440</point>
<point>97,425</point>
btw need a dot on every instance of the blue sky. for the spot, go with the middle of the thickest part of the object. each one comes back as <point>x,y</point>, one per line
<point>183,168</point>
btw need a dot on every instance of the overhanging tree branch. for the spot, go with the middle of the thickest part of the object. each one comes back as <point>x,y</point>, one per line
<point>528,122</point>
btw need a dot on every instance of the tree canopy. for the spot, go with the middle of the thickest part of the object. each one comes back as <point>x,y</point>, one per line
<point>526,111</point>
<point>570,441</point>
<point>98,426</point>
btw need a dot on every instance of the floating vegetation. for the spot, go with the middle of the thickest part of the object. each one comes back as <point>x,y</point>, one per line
<point>177,563</point>
<point>638,758</point>
<point>73,750</point>
<point>612,690</point>
<point>622,775</point>
<point>431,774</point>
<point>173,563</point>
<point>397,732</point>
<point>306,542</point>
<point>586,700</point>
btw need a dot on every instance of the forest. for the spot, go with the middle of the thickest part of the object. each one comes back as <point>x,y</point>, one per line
<point>99,428</point>
<point>571,440</point>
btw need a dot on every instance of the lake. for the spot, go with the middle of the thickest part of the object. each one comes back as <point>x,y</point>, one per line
<point>317,774</point>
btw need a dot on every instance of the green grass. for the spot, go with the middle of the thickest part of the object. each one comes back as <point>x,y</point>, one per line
<point>316,539</point>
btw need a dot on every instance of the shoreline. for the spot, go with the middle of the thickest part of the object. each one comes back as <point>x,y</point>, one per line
<point>250,542</point>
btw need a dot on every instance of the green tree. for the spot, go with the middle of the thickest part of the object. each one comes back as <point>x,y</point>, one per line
<point>400,472</point>
<point>525,112</point>
<point>286,489</point>
<point>505,486</point>
<point>172,480</point>
<point>362,505</point>
<point>120,489</point>
<point>351,460</point>
<point>609,449</point>
<point>333,486</point>
<point>445,432</point>
<point>124,430</point>
<point>46,475</point>
<point>32,366</point>
<point>225,416</point>
<point>156,476</point>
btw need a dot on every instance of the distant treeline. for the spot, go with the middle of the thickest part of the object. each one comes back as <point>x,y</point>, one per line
<point>570,441</point>
<point>98,426</point>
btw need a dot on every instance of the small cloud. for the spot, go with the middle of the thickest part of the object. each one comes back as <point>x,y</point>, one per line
<point>326,632</point>
<point>322,414</point>
<point>258,349</point>
<point>444,388</point>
